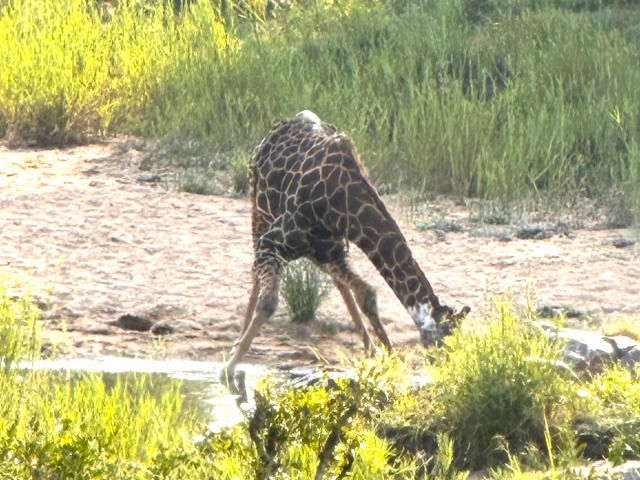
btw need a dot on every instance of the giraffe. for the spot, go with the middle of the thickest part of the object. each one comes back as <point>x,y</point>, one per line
<point>311,197</point>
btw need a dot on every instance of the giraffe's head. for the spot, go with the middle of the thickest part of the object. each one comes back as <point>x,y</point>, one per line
<point>436,323</point>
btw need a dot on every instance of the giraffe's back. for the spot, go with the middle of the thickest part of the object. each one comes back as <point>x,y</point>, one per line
<point>301,173</point>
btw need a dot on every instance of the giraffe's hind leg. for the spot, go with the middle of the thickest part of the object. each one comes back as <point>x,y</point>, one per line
<point>365,296</point>
<point>347,297</point>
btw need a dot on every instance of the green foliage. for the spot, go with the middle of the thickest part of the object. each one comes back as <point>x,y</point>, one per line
<point>57,428</point>
<point>491,98</point>
<point>240,172</point>
<point>498,399</point>
<point>498,388</point>
<point>616,395</point>
<point>19,332</point>
<point>303,288</point>
<point>53,425</point>
<point>323,430</point>
<point>68,73</point>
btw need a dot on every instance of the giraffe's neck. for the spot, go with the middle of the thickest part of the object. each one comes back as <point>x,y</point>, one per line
<point>377,234</point>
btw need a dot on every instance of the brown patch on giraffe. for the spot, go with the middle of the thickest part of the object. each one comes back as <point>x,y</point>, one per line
<point>313,198</point>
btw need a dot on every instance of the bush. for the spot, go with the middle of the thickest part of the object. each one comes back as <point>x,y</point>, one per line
<point>497,399</point>
<point>303,289</point>
<point>19,331</point>
<point>56,425</point>
<point>498,392</point>
<point>240,172</point>
<point>324,429</point>
<point>616,407</point>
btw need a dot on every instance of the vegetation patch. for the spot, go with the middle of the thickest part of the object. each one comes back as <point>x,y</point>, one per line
<point>497,399</point>
<point>495,99</point>
<point>303,288</point>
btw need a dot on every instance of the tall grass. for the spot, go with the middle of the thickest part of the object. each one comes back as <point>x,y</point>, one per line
<point>493,98</point>
<point>505,389</point>
<point>67,73</point>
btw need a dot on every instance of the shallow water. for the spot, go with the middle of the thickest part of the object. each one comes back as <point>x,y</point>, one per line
<point>200,383</point>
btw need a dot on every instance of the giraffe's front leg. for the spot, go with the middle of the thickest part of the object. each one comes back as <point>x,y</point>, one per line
<point>265,297</point>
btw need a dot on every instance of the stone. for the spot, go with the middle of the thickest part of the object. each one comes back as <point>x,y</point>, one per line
<point>632,358</point>
<point>534,233</point>
<point>553,311</point>
<point>162,329</point>
<point>133,322</point>
<point>623,243</point>
<point>577,362</point>
<point>628,470</point>
<point>596,351</point>
<point>622,344</point>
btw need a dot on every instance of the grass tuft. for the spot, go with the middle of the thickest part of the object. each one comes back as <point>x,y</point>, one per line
<point>303,289</point>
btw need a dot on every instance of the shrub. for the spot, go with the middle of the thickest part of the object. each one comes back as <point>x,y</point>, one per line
<point>616,407</point>
<point>57,425</point>
<point>19,331</point>
<point>240,172</point>
<point>498,391</point>
<point>303,289</point>
<point>324,429</point>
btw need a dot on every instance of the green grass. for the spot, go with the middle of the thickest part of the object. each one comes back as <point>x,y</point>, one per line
<point>499,99</point>
<point>497,400</point>
<point>502,389</point>
<point>303,289</point>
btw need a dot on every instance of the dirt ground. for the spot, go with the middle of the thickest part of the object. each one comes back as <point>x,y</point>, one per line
<point>97,240</point>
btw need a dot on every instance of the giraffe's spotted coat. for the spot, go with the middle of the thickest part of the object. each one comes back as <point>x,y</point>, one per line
<point>311,198</point>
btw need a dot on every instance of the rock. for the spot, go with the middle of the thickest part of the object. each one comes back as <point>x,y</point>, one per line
<point>440,235</point>
<point>534,233</point>
<point>622,344</point>
<point>553,311</point>
<point>91,171</point>
<point>162,329</point>
<point>592,347</point>
<point>133,322</point>
<point>628,470</point>
<point>632,358</point>
<point>605,470</point>
<point>563,228</point>
<point>594,439</point>
<point>623,243</point>
<point>577,362</point>
<point>149,178</point>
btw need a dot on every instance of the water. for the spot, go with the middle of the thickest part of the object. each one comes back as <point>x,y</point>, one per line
<point>199,380</point>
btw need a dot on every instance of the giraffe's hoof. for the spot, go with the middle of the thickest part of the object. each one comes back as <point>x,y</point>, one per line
<point>235,382</point>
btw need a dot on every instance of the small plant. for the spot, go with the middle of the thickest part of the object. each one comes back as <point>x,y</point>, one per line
<point>303,289</point>
<point>239,167</point>
<point>197,184</point>
<point>616,392</point>
<point>19,334</point>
